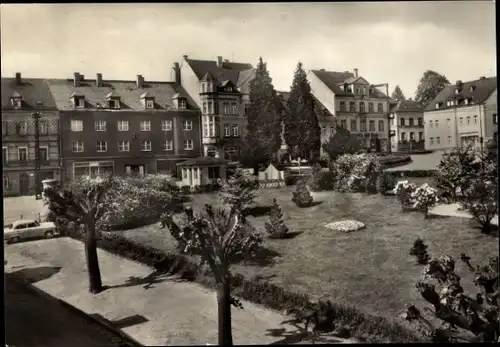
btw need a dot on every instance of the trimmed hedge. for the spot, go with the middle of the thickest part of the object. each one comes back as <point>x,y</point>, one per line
<point>206,188</point>
<point>363,326</point>
<point>393,161</point>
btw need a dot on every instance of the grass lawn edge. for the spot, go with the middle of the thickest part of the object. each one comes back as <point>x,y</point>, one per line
<point>364,327</point>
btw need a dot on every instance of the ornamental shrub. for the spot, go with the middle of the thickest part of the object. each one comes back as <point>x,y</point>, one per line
<point>419,250</point>
<point>276,227</point>
<point>302,197</point>
<point>403,191</point>
<point>424,198</point>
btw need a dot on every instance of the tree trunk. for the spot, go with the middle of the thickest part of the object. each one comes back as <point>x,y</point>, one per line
<point>486,228</point>
<point>95,283</point>
<point>224,305</point>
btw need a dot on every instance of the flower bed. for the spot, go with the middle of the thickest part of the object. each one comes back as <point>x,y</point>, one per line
<point>362,326</point>
<point>346,225</point>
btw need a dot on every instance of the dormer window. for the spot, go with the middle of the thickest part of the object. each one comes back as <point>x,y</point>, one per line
<point>229,89</point>
<point>113,100</point>
<point>466,101</point>
<point>457,91</point>
<point>472,88</point>
<point>16,102</point>
<point>150,103</point>
<point>114,103</point>
<point>78,100</point>
<point>182,103</point>
<point>438,104</point>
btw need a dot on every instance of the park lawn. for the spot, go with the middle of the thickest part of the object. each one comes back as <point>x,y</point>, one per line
<point>368,269</point>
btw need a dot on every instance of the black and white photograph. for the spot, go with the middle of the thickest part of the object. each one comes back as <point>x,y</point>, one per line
<point>250,173</point>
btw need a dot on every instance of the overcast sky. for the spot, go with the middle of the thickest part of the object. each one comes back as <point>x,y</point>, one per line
<point>388,42</point>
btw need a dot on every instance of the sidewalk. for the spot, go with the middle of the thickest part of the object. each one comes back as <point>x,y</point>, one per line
<point>452,211</point>
<point>166,311</point>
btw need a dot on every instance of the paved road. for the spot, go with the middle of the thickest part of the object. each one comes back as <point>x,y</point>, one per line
<point>33,320</point>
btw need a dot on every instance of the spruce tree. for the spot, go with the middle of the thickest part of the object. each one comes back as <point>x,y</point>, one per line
<point>301,196</point>
<point>419,250</point>
<point>397,94</point>
<point>302,131</point>
<point>263,135</point>
<point>276,227</point>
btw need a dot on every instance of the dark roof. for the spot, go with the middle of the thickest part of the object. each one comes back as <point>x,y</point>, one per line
<point>32,90</point>
<point>407,106</point>
<point>228,71</point>
<point>333,80</point>
<point>130,95</point>
<point>480,93</point>
<point>319,107</point>
<point>203,161</point>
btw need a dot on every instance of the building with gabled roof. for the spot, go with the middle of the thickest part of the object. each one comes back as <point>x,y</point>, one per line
<point>354,104</point>
<point>124,127</point>
<point>464,113</point>
<point>221,90</point>
<point>407,126</point>
<point>21,98</point>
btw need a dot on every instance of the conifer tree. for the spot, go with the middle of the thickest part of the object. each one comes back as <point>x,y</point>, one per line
<point>276,227</point>
<point>302,131</point>
<point>263,135</point>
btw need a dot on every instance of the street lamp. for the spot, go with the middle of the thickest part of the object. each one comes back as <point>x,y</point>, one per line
<point>36,117</point>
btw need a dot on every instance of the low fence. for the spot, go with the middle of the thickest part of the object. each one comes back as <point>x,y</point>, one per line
<point>271,183</point>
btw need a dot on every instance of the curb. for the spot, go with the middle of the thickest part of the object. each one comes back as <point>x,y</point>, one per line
<point>127,339</point>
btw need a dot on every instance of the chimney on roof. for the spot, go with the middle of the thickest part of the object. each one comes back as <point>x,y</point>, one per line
<point>76,79</point>
<point>459,84</point>
<point>321,69</point>
<point>226,60</point>
<point>185,56</point>
<point>98,80</point>
<point>177,73</point>
<point>355,72</point>
<point>18,78</point>
<point>482,78</point>
<point>219,61</point>
<point>140,81</point>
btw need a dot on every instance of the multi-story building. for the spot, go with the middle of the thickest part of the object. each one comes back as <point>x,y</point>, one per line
<point>462,114</point>
<point>354,104</point>
<point>124,127</point>
<point>21,98</point>
<point>407,126</point>
<point>221,90</point>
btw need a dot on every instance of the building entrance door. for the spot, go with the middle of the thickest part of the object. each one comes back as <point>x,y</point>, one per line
<point>24,183</point>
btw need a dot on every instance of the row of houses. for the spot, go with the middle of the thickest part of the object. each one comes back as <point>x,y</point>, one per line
<point>96,125</point>
<point>93,125</point>
<point>462,114</point>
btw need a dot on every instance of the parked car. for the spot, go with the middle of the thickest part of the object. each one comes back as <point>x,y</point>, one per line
<point>27,229</point>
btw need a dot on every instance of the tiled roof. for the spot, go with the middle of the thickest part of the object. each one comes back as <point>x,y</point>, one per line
<point>482,90</point>
<point>130,95</point>
<point>32,90</point>
<point>407,106</point>
<point>333,80</point>
<point>228,71</point>
<point>203,161</point>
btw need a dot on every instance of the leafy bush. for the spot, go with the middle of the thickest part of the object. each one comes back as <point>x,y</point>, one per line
<point>321,180</point>
<point>356,172</point>
<point>240,190</point>
<point>419,250</point>
<point>370,328</point>
<point>473,318</point>
<point>403,190</point>
<point>301,196</point>
<point>276,227</point>
<point>138,201</point>
<point>455,171</point>
<point>481,197</point>
<point>424,198</point>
